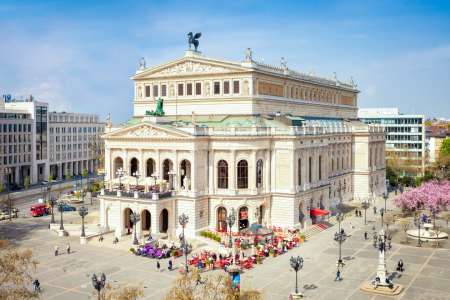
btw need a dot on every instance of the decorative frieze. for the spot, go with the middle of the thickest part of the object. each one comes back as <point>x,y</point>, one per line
<point>270,89</point>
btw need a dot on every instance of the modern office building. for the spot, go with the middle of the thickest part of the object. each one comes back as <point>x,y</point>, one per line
<point>23,130</point>
<point>69,143</point>
<point>405,133</point>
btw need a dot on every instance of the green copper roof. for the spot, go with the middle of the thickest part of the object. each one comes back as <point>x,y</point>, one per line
<point>131,122</point>
<point>226,121</point>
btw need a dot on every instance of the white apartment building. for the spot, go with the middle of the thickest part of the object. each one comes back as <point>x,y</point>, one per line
<point>70,137</point>
<point>23,140</point>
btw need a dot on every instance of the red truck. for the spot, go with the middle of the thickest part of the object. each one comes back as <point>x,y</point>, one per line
<point>39,210</point>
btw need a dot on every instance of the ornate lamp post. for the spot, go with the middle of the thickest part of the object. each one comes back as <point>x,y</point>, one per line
<point>99,285</point>
<point>171,175</point>
<point>103,174</point>
<point>183,219</point>
<point>135,218</point>
<point>419,223</point>
<point>137,174</point>
<point>296,264</point>
<point>230,221</point>
<point>83,211</point>
<point>60,173</point>
<point>120,173</point>
<point>83,194</point>
<point>52,202</point>
<point>382,244</point>
<point>186,248</point>
<point>382,213</point>
<point>340,218</point>
<point>365,205</point>
<point>340,238</point>
<point>61,206</point>
<point>385,197</point>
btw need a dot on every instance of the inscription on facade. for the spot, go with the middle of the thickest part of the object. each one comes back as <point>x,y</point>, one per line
<point>270,89</point>
<point>345,100</point>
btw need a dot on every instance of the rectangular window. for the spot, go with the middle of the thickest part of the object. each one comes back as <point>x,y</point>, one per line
<point>180,89</point>
<point>198,88</point>
<point>163,90</point>
<point>216,88</point>
<point>15,127</point>
<point>236,87</point>
<point>155,91</point>
<point>226,87</point>
<point>20,127</point>
<point>147,91</point>
<point>189,89</point>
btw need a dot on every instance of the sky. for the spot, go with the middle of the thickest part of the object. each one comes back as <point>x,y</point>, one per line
<point>79,55</point>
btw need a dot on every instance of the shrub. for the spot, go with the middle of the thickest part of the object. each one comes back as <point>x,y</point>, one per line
<point>202,233</point>
<point>303,236</point>
<point>242,246</point>
<point>68,175</point>
<point>83,173</point>
<point>258,247</point>
<point>285,245</point>
<point>258,258</point>
<point>218,239</point>
<point>131,249</point>
<point>174,253</point>
<point>298,229</point>
<point>26,184</point>
<point>272,252</point>
<point>208,262</point>
<point>208,234</point>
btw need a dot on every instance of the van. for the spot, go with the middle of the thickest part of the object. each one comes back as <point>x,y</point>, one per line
<point>39,210</point>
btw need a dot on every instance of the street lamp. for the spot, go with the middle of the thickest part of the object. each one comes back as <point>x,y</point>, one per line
<point>99,285</point>
<point>171,175</point>
<point>186,248</point>
<point>365,205</point>
<point>91,187</point>
<point>120,173</point>
<point>383,244</point>
<point>183,219</point>
<point>340,218</point>
<point>103,174</point>
<point>8,172</point>
<point>83,194</point>
<point>137,174</point>
<point>385,197</point>
<point>419,223</point>
<point>135,218</point>
<point>382,213</point>
<point>52,202</point>
<point>83,211</point>
<point>155,177</point>
<point>296,264</point>
<point>60,173</point>
<point>340,238</point>
<point>61,206</point>
<point>230,221</point>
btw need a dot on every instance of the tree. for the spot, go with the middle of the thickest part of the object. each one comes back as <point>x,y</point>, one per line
<point>124,291</point>
<point>77,194</point>
<point>7,201</point>
<point>97,148</point>
<point>437,230</point>
<point>446,217</point>
<point>214,287</point>
<point>14,272</point>
<point>394,219</point>
<point>387,220</point>
<point>445,147</point>
<point>83,173</point>
<point>26,184</point>
<point>50,178</point>
<point>405,224</point>
<point>68,175</point>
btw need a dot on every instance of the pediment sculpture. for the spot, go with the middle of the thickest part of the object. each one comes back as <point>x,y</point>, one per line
<point>146,131</point>
<point>191,67</point>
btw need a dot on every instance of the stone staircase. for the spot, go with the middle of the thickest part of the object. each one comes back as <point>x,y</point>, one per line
<point>319,227</point>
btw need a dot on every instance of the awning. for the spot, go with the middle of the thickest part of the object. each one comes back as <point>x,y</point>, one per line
<point>319,212</point>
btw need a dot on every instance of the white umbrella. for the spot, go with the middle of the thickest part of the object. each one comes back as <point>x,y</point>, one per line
<point>241,256</point>
<point>253,250</point>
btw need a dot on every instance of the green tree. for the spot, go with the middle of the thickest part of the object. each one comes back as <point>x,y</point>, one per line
<point>50,178</point>
<point>445,147</point>
<point>83,174</point>
<point>68,175</point>
<point>26,184</point>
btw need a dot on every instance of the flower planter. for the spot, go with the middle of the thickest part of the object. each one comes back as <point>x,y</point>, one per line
<point>208,266</point>
<point>257,262</point>
<point>272,255</point>
<point>302,240</point>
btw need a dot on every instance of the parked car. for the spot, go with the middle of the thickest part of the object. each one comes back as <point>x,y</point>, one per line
<point>14,187</point>
<point>68,208</point>
<point>5,215</point>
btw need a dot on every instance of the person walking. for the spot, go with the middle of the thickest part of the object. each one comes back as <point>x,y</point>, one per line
<point>400,266</point>
<point>68,248</point>
<point>158,266</point>
<point>365,235</point>
<point>351,224</point>
<point>374,210</point>
<point>181,269</point>
<point>129,229</point>
<point>170,264</point>
<point>373,229</point>
<point>56,250</point>
<point>356,212</point>
<point>338,275</point>
<point>200,264</point>
<point>199,279</point>
<point>360,214</point>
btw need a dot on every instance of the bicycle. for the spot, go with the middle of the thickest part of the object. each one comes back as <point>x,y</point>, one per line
<point>39,289</point>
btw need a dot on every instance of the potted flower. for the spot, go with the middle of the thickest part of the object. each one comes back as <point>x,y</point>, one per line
<point>208,264</point>
<point>258,248</point>
<point>218,239</point>
<point>302,238</point>
<point>203,234</point>
<point>285,245</point>
<point>272,253</point>
<point>132,250</point>
<point>242,246</point>
<point>258,260</point>
<point>174,253</point>
<point>297,230</point>
<point>208,235</point>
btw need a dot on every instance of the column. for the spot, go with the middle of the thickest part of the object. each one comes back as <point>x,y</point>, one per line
<point>252,173</point>
<point>193,172</point>
<point>176,167</point>
<point>293,169</point>
<point>157,167</point>
<point>267,172</point>
<point>125,161</point>
<point>141,163</point>
<point>232,171</point>
<point>211,172</point>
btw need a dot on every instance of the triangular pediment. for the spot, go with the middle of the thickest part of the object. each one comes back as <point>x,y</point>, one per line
<point>189,66</point>
<point>146,130</point>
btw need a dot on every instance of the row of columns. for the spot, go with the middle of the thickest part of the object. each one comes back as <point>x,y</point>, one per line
<point>312,94</point>
<point>74,167</point>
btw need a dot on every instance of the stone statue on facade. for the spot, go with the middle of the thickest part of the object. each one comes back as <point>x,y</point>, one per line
<point>283,63</point>
<point>311,73</point>
<point>334,76</point>
<point>186,183</point>
<point>159,109</point>
<point>140,93</point>
<point>193,39</point>
<point>142,64</point>
<point>246,88</point>
<point>108,120</point>
<point>352,81</point>
<point>248,55</point>
<point>193,119</point>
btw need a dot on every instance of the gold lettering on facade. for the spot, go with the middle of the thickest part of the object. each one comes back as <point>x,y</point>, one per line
<point>270,89</point>
<point>345,100</point>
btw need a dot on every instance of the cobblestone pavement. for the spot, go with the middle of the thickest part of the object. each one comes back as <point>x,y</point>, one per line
<point>67,276</point>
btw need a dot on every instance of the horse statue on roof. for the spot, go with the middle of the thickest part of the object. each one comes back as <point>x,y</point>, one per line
<point>193,39</point>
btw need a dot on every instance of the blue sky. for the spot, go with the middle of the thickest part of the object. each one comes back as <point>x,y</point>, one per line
<point>79,55</point>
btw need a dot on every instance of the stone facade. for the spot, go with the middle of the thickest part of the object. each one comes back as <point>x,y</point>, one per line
<point>279,168</point>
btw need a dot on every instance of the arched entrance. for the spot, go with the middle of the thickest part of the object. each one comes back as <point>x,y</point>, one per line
<point>164,220</point>
<point>118,163</point>
<point>146,221</point>
<point>262,214</point>
<point>301,216</point>
<point>311,206</point>
<point>127,220</point>
<point>185,172</point>
<point>134,165</point>
<point>243,218</point>
<point>221,217</point>
<point>150,167</point>
<point>167,166</point>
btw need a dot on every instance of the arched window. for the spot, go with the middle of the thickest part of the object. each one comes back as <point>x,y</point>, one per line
<point>320,167</point>
<point>348,166</point>
<point>332,164</point>
<point>310,169</point>
<point>299,171</point>
<point>222,176</point>
<point>342,163</point>
<point>370,157</point>
<point>242,175</point>
<point>259,172</point>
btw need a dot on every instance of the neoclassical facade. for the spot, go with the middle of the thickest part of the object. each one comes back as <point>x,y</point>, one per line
<point>243,136</point>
